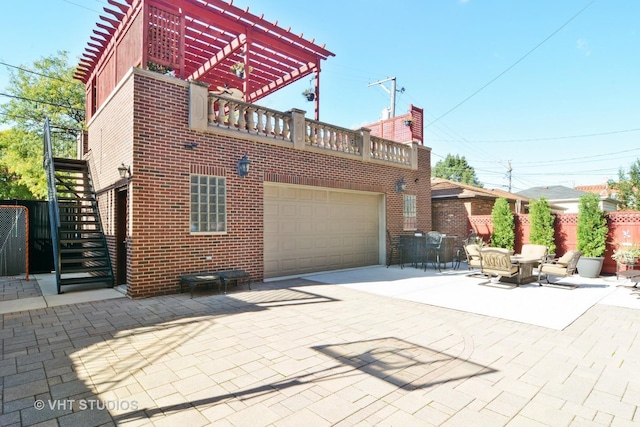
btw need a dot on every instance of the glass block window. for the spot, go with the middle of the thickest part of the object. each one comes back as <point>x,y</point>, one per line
<point>409,212</point>
<point>208,204</point>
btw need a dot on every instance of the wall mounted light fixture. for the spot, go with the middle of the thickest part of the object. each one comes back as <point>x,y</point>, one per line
<point>243,166</point>
<point>401,185</point>
<point>124,171</point>
<point>191,145</point>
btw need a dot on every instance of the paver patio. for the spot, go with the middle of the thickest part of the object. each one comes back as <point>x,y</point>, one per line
<point>299,352</point>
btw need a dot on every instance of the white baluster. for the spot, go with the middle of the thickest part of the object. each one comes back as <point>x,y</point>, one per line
<point>268,129</point>
<point>276,129</point>
<point>260,124</point>
<point>221,108</point>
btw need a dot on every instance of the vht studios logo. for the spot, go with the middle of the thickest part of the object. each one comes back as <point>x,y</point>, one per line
<point>86,404</point>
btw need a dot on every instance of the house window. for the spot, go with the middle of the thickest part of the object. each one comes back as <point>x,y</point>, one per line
<point>208,204</point>
<point>409,212</point>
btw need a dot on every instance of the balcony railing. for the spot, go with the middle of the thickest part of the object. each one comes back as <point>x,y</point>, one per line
<point>253,119</point>
<point>211,112</point>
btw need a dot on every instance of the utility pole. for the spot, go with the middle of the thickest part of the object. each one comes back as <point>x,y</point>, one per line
<point>392,91</point>
<point>509,173</point>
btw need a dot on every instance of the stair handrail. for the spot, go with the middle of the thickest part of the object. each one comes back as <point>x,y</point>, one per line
<point>54,212</point>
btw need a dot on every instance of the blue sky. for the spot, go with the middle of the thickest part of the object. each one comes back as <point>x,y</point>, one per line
<point>549,87</point>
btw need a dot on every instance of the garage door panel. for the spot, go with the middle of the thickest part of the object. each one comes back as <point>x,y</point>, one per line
<point>305,227</point>
<point>319,242</point>
<point>319,229</point>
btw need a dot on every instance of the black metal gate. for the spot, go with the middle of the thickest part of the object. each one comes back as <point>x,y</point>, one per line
<point>40,246</point>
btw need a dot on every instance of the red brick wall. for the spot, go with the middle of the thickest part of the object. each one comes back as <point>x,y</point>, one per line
<point>450,218</point>
<point>160,245</point>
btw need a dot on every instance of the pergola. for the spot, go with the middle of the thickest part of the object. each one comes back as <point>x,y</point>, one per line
<point>211,41</point>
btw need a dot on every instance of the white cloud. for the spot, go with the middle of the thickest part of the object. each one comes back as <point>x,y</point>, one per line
<point>583,46</point>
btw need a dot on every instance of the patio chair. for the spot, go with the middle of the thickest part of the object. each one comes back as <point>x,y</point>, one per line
<point>472,251</point>
<point>433,245</point>
<point>537,252</point>
<point>395,247</point>
<point>562,267</point>
<point>497,262</point>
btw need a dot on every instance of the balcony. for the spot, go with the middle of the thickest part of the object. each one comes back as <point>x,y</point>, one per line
<point>209,112</point>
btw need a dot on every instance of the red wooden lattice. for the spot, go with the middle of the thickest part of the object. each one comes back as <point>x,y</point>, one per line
<point>163,40</point>
<point>197,40</point>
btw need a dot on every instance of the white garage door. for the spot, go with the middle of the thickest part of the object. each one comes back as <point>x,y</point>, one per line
<point>308,229</point>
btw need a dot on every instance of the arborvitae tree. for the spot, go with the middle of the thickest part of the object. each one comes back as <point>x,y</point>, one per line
<point>542,231</point>
<point>504,235</point>
<point>592,226</point>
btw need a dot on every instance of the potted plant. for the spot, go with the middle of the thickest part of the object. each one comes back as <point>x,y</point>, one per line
<point>504,235</point>
<point>626,254</point>
<point>542,229</point>
<point>310,94</point>
<point>592,235</point>
<point>238,69</point>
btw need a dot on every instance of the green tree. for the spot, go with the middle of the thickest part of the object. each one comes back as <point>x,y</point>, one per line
<point>504,235</point>
<point>592,226</point>
<point>542,230</point>
<point>44,89</point>
<point>11,184</point>
<point>627,188</point>
<point>456,168</point>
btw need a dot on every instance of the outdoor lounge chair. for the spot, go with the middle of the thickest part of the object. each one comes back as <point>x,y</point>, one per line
<point>531,251</point>
<point>473,255</point>
<point>563,267</point>
<point>497,262</point>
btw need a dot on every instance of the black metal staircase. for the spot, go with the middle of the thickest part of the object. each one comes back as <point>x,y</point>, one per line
<point>81,255</point>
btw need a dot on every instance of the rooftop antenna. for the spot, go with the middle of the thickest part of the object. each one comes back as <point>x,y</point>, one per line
<point>392,91</point>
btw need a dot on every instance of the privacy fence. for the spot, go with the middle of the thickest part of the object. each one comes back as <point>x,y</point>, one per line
<point>624,227</point>
<point>14,241</point>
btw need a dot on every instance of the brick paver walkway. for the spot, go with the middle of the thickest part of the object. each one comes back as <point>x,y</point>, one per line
<point>13,288</point>
<point>296,353</point>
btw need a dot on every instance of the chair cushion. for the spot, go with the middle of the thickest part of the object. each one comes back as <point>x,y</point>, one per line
<point>531,251</point>
<point>553,269</point>
<point>565,259</point>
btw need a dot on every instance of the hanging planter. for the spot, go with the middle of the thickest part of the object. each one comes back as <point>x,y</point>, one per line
<point>238,69</point>
<point>309,94</point>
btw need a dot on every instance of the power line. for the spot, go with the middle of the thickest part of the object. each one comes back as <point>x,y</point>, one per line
<point>40,102</point>
<point>586,135</point>
<point>35,72</point>
<point>514,64</point>
<point>53,125</point>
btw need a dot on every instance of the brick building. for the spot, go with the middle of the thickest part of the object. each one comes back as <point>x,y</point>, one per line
<point>317,197</point>
<point>453,203</point>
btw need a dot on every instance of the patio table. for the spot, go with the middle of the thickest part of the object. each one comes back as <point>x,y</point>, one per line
<point>525,271</point>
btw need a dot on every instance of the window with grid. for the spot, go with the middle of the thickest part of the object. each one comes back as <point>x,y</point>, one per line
<point>409,212</point>
<point>208,204</point>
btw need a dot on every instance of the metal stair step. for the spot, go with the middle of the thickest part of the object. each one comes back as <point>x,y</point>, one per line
<point>86,280</point>
<point>83,269</point>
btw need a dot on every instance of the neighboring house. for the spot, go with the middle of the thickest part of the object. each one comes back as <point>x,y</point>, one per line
<point>565,199</point>
<point>602,190</point>
<point>452,203</point>
<point>317,196</point>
